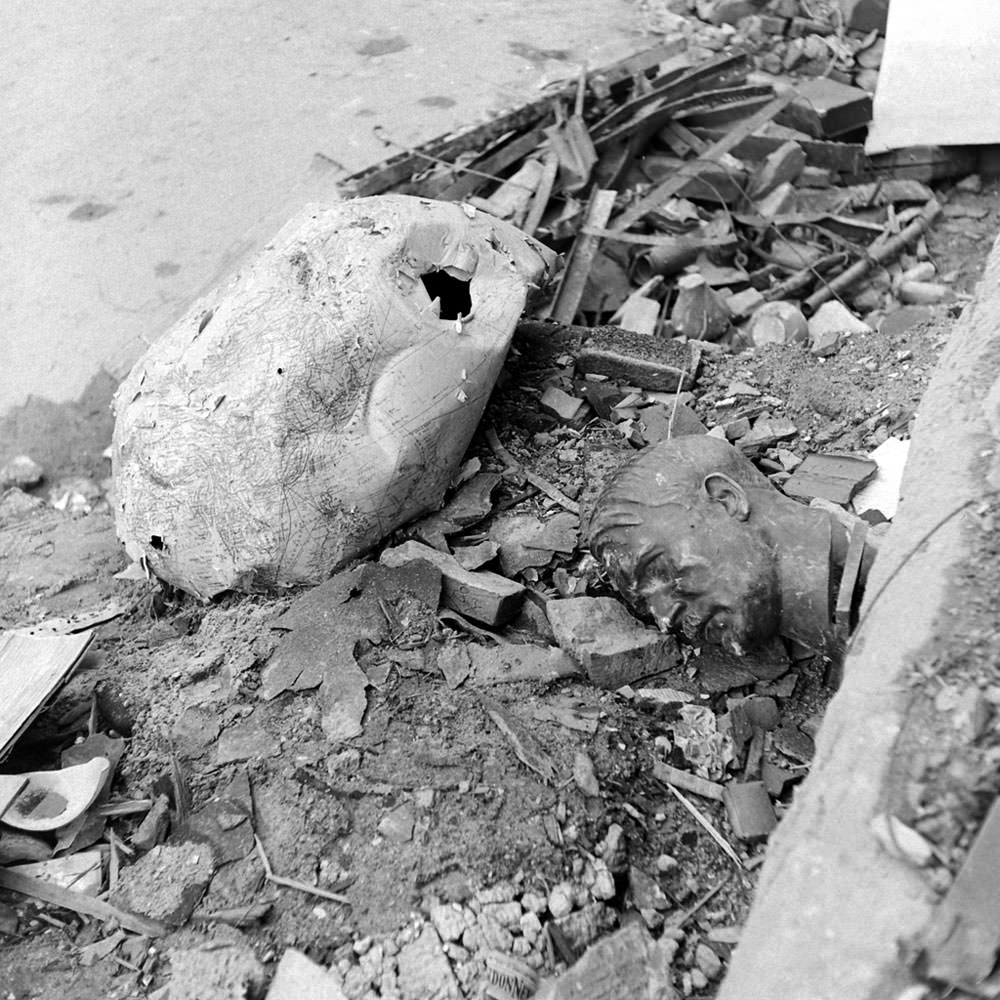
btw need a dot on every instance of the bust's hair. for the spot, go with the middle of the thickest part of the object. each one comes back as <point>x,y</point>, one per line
<point>668,474</point>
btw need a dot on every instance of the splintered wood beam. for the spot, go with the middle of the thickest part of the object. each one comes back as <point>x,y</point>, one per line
<point>541,200</point>
<point>396,170</point>
<point>602,202</point>
<point>669,187</point>
<point>849,579</point>
<point>482,171</point>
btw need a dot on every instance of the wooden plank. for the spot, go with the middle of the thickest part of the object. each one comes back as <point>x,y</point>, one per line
<point>392,172</point>
<point>32,668</point>
<point>78,902</point>
<point>842,157</point>
<point>669,187</point>
<point>585,249</point>
<point>551,169</point>
<point>675,86</point>
<point>849,579</point>
<point>473,178</point>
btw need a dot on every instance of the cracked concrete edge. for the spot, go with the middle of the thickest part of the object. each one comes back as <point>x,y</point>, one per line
<point>832,907</point>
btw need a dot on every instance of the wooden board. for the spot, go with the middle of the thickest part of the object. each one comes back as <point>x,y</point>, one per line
<point>32,668</point>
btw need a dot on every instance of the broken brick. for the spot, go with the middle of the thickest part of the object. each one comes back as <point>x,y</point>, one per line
<point>832,477</point>
<point>613,647</point>
<point>486,597</point>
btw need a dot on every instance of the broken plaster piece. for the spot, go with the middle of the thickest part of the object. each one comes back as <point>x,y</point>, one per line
<point>288,422</point>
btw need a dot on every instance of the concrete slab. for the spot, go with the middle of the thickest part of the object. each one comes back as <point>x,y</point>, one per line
<point>920,98</point>
<point>150,147</point>
<point>832,906</point>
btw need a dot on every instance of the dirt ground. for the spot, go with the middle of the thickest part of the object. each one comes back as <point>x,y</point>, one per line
<point>430,806</point>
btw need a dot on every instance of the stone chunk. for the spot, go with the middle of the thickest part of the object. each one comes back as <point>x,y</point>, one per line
<point>21,471</point>
<point>707,960</point>
<point>219,971</point>
<point>961,942</point>
<point>486,597</point>
<point>397,824</point>
<point>750,811</point>
<point>766,433</point>
<point>824,108</point>
<point>564,407</point>
<point>424,971</point>
<point>742,304</point>
<point>298,977</point>
<point>166,883</point>
<point>449,921</point>
<point>613,647</point>
<point>835,317</point>
<point>626,965</point>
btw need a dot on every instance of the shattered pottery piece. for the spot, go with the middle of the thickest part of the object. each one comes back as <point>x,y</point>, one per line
<point>52,799</point>
<point>287,423</point>
<point>777,323</point>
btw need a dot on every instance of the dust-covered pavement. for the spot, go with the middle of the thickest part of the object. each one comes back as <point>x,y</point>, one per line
<point>150,148</point>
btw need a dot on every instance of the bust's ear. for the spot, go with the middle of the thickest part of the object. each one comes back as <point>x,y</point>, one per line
<point>729,493</point>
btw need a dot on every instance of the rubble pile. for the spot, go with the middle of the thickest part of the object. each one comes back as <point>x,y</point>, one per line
<point>460,766</point>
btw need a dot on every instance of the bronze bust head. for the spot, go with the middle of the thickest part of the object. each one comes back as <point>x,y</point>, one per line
<point>693,535</point>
